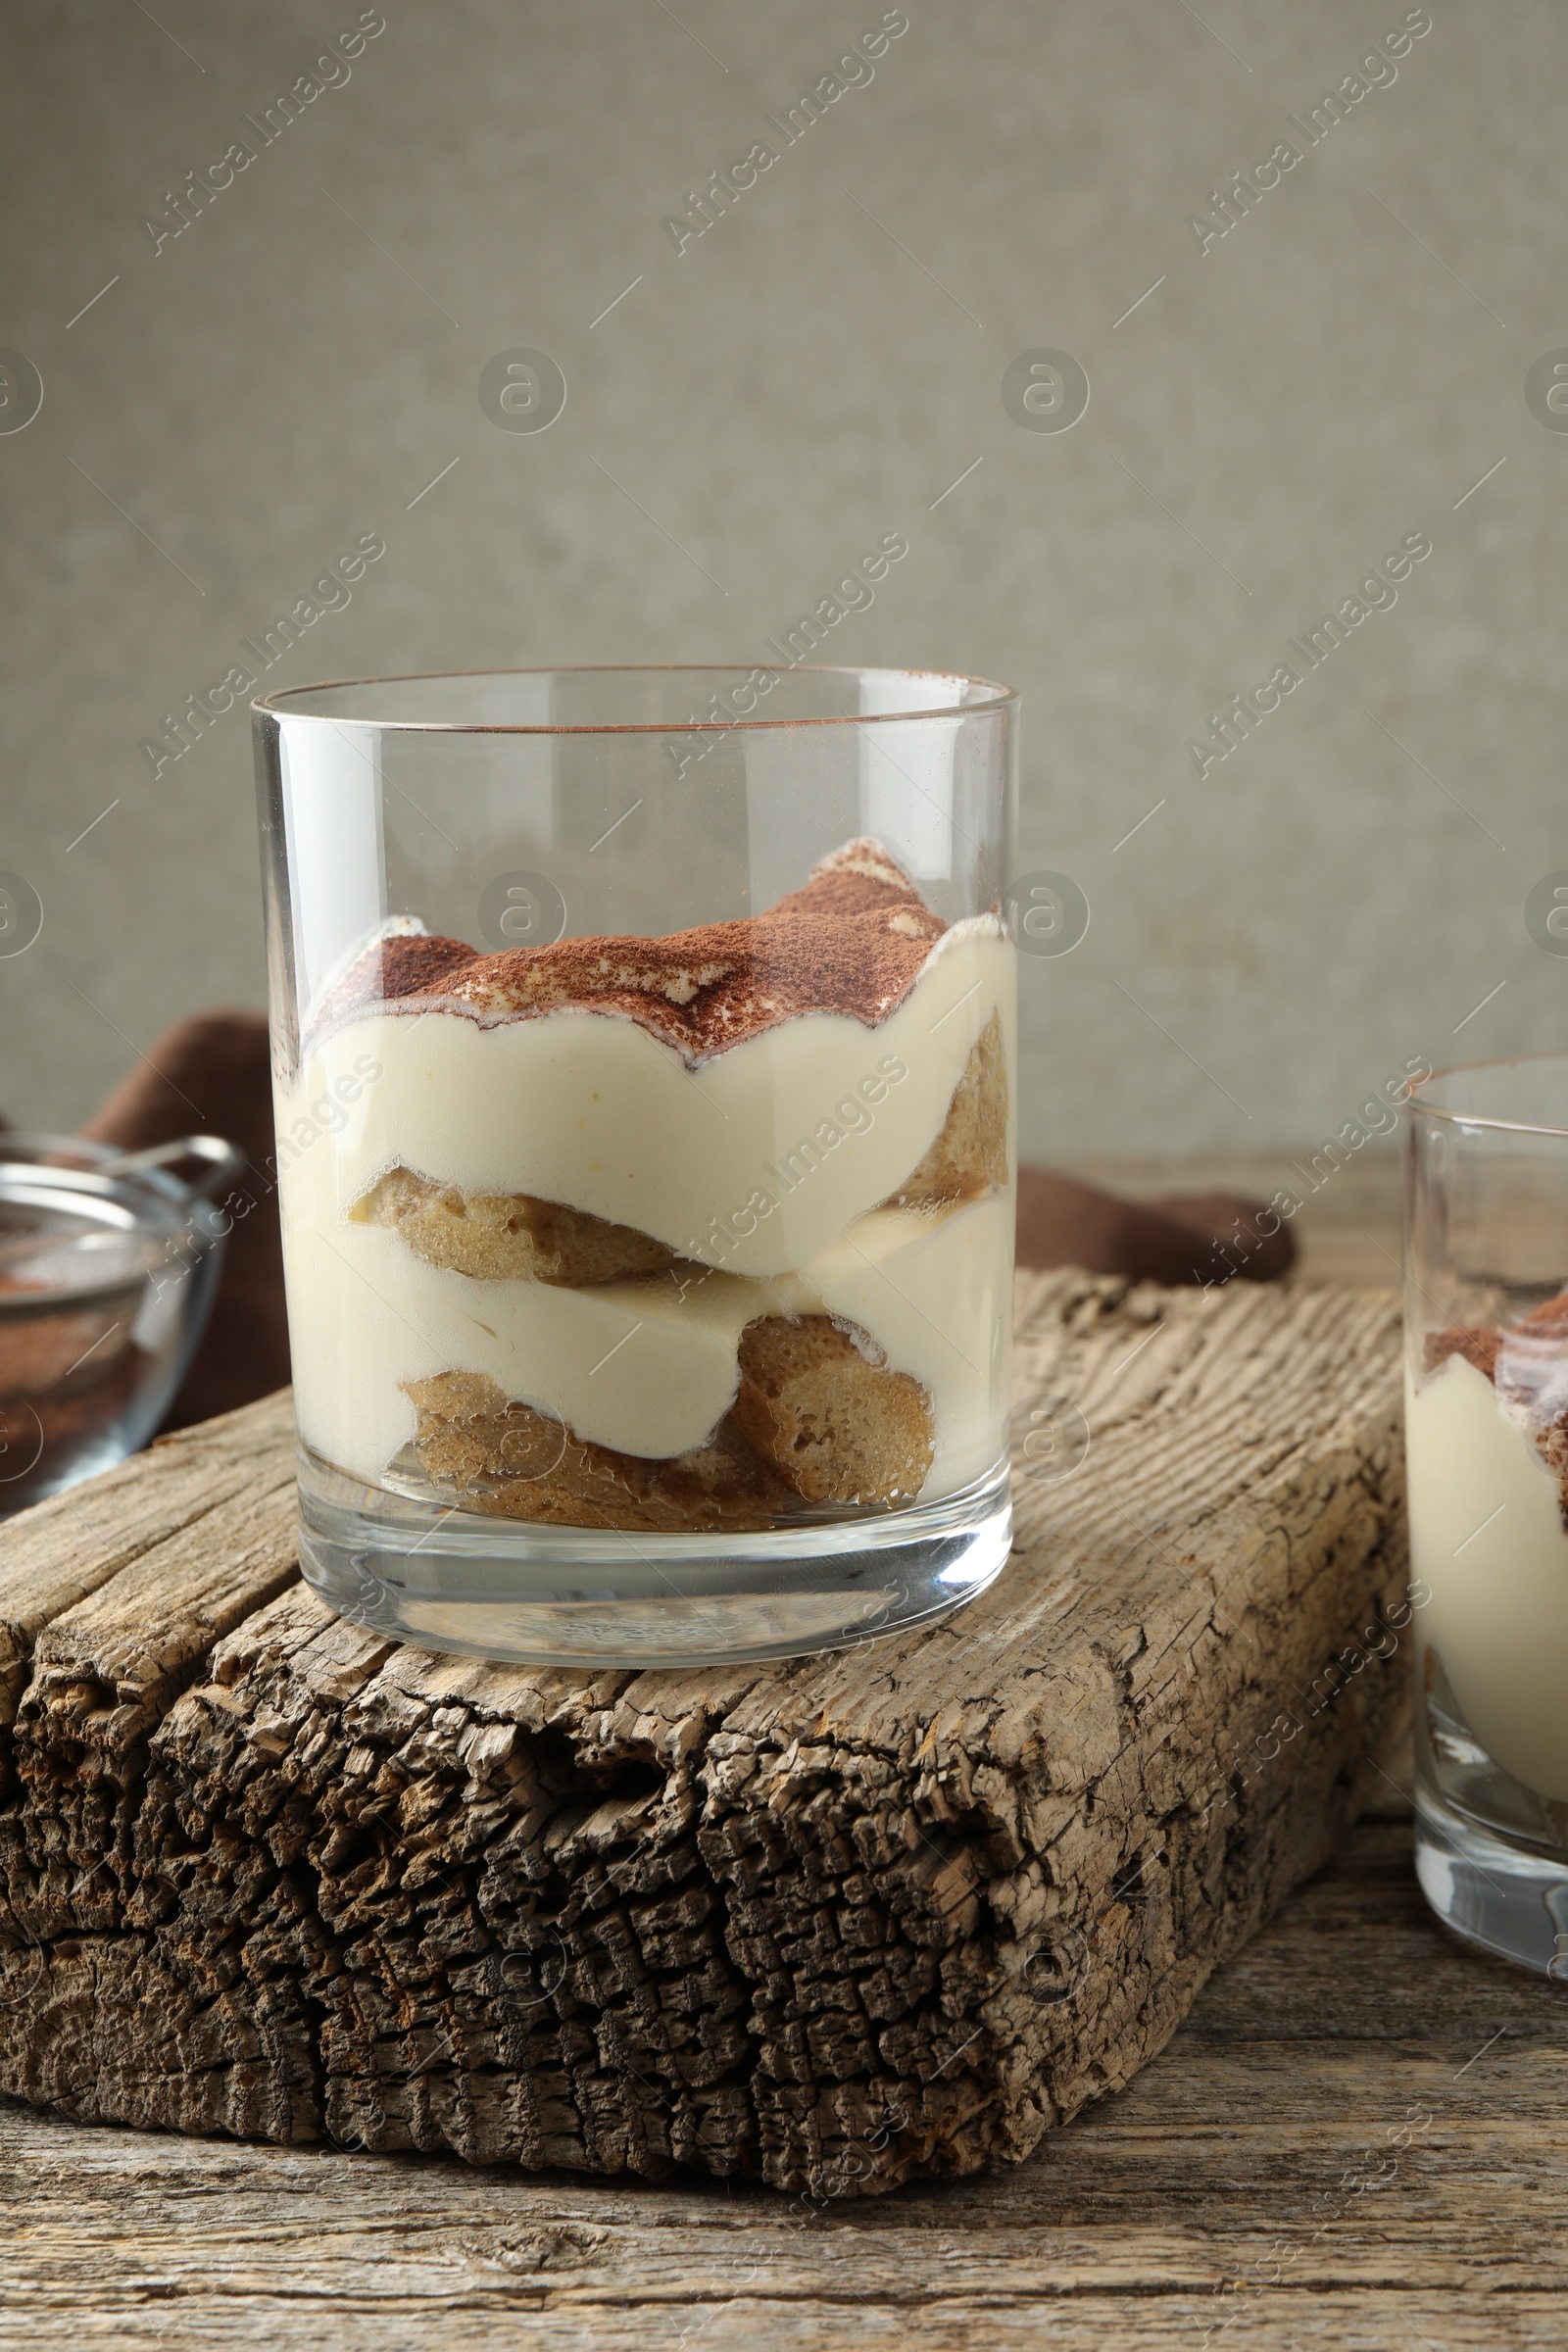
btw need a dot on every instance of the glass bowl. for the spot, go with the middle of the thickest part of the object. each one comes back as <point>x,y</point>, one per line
<point>108,1262</point>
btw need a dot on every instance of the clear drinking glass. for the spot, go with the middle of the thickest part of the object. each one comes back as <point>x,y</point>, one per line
<point>1487,1442</point>
<point>644,1063</point>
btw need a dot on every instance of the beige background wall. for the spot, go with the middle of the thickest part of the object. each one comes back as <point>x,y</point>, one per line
<point>1333,374</point>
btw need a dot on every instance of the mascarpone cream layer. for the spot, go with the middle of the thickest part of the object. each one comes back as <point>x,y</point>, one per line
<point>646,1367</point>
<point>1487,1536</point>
<point>755,1161</point>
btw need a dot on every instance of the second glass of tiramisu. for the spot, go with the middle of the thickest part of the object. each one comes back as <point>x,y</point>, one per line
<point>1487,1442</point>
<point>645,1064</point>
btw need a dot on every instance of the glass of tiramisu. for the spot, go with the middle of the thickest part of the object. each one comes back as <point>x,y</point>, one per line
<point>1487,1442</point>
<point>645,1064</point>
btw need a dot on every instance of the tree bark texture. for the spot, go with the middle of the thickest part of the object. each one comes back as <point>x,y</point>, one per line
<point>833,1925</point>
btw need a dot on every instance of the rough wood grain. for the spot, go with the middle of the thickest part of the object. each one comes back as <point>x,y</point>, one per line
<point>835,1926</point>
<point>1338,2150</point>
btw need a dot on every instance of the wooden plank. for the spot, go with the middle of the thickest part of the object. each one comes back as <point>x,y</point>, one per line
<point>1245,2191</point>
<point>110,1611</point>
<point>835,1925</point>
<point>59,1552</point>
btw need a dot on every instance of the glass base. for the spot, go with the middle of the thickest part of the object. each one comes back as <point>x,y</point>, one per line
<point>1511,1898</point>
<point>505,1589</point>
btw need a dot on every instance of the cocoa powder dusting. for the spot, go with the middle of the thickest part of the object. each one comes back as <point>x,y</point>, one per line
<point>1477,1344</point>
<point>1532,1348</point>
<point>1528,1365</point>
<point>1548,1320</point>
<point>853,941</point>
<point>419,965</point>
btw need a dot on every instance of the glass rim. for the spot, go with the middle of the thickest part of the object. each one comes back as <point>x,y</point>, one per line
<point>1415,1099</point>
<point>997,697</point>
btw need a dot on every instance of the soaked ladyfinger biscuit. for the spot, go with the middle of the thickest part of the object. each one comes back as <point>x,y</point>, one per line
<point>508,1236</point>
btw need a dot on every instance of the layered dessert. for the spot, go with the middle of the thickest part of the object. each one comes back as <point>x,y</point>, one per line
<point>1487,1442</point>
<point>698,1233</point>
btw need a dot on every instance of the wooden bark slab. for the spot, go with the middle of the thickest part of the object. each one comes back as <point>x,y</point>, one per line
<point>883,1914</point>
<point>1355,2140</point>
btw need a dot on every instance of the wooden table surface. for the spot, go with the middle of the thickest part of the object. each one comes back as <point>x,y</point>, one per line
<point>1358,2139</point>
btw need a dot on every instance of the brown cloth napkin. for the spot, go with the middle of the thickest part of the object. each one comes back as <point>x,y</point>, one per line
<point>214,1073</point>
